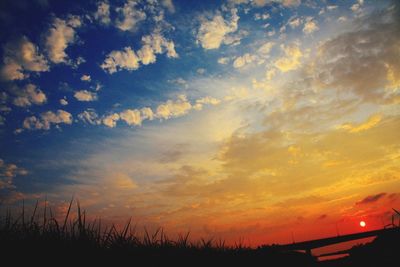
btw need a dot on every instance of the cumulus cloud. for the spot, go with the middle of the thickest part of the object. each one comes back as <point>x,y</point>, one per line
<point>171,108</point>
<point>206,100</point>
<point>169,5</point>
<point>111,120</point>
<point>103,13</point>
<point>127,59</point>
<point>294,22</point>
<point>117,60</point>
<point>291,59</point>
<point>131,116</point>
<point>310,26</point>
<point>266,48</point>
<point>212,33</point>
<point>28,95</point>
<point>46,119</point>
<point>85,95</point>
<point>223,60</point>
<point>60,35</point>
<point>241,61</point>
<point>129,16</point>
<point>89,116</point>
<point>8,171</point>
<point>63,102</point>
<point>86,78</point>
<point>21,56</point>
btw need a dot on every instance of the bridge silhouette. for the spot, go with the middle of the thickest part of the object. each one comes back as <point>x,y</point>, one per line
<point>307,246</point>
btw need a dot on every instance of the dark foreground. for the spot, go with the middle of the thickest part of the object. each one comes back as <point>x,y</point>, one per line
<point>37,240</point>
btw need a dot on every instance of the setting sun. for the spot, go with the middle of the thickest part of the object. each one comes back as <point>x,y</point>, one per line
<point>363,224</point>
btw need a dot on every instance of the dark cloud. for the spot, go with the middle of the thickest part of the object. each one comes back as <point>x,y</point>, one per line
<point>371,199</point>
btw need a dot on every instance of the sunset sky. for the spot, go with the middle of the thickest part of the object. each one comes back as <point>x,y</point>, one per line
<point>255,119</point>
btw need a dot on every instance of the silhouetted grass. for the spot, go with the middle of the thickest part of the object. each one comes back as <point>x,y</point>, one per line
<point>37,238</point>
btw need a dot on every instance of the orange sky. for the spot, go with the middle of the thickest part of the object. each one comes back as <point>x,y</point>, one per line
<point>300,143</point>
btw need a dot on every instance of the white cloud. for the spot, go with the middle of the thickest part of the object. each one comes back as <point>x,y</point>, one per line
<point>266,48</point>
<point>60,35</point>
<point>204,101</point>
<point>130,16</point>
<point>223,60</point>
<point>131,116</point>
<point>117,60</point>
<point>103,13</point>
<point>84,95</point>
<point>171,108</point>
<point>89,116</point>
<point>86,78</point>
<point>21,56</point>
<point>212,33</point>
<point>111,120</point>
<point>169,5</point>
<point>8,172</point>
<point>241,61</point>
<point>47,119</point>
<point>63,102</point>
<point>259,16</point>
<point>310,26</point>
<point>146,55</point>
<point>291,59</point>
<point>294,22</point>
<point>29,95</point>
<point>127,59</point>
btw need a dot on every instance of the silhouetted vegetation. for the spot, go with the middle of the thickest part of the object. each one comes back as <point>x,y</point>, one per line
<point>42,239</point>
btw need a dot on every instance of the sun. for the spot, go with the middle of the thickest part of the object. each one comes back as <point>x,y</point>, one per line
<point>363,224</point>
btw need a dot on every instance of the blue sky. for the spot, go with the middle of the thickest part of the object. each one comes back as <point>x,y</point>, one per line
<point>156,108</point>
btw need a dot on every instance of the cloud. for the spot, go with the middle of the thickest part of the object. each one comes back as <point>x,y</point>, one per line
<point>169,5</point>
<point>371,199</point>
<point>241,61</point>
<point>103,13</point>
<point>47,119</point>
<point>266,48</point>
<point>291,59</point>
<point>131,116</point>
<point>29,95</point>
<point>89,116</point>
<point>294,22</point>
<point>167,110</point>
<point>84,95</point>
<point>223,60</point>
<point>371,122</point>
<point>127,59</point>
<point>8,172</point>
<point>86,78</point>
<point>286,3</point>
<point>310,26</point>
<point>212,33</point>
<point>204,101</point>
<point>111,120</point>
<point>129,16</point>
<point>117,60</point>
<point>346,61</point>
<point>19,57</point>
<point>59,36</point>
<point>63,102</point>
<point>171,109</point>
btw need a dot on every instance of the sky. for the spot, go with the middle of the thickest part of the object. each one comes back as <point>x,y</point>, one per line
<point>259,120</point>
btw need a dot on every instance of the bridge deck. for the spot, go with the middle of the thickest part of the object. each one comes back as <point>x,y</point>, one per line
<point>317,243</point>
